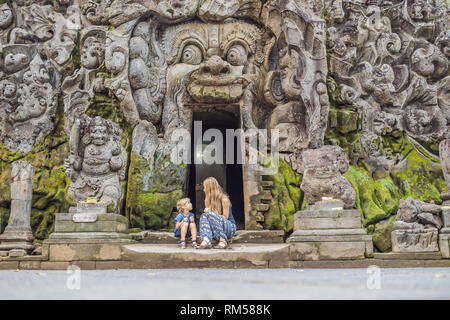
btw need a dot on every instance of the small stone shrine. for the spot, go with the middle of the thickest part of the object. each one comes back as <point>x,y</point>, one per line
<point>87,232</point>
<point>90,220</point>
<point>327,230</point>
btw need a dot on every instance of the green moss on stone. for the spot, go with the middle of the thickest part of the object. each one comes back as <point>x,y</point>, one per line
<point>76,54</point>
<point>287,198</point>
<point>50,183</point>
<point>4,217</point>
<point>147,207</point>
<point>377,199</point>
<point>382,235</point>
<point>420,178</point>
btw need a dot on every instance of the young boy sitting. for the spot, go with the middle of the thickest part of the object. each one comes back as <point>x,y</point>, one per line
<point>185,223</point>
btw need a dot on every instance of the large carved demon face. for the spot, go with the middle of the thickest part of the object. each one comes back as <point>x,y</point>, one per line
<point>220,59</point>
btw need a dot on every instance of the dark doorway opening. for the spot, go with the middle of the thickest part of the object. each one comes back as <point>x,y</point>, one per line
<point>229,176</point>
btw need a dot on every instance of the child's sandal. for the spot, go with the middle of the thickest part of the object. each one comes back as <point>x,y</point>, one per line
<point>183,244</point>
<point>194,245</point>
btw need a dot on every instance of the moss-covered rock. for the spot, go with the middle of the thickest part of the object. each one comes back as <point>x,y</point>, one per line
<point>377,199</point>
<point>150,202</point>
<point>382,235</point>
<point>419,178</point>
<point>287,198</point>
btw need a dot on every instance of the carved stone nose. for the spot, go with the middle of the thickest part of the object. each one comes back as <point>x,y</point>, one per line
<point>215,66</point>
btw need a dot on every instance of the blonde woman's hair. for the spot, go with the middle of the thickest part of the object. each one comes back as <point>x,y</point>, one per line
<point>182,203</point>
<point>214,195</point>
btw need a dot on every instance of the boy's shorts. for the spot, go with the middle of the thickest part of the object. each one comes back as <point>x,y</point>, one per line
<point>177,232</point>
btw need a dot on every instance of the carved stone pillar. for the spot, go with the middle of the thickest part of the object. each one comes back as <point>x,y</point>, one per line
<point>17,235</point>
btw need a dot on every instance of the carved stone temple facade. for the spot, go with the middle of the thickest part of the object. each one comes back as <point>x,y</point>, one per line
<point>93,92</point>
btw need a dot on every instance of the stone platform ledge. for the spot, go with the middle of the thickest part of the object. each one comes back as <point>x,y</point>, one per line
<point>242,236</point>
<point>88,236</point>
<point>330,244</point>
<point>323,264</point>
<point>68,250</point>
<point>42,257</point>
<point>237,256</point>
<point>381,263</point>
<point>408,256</point>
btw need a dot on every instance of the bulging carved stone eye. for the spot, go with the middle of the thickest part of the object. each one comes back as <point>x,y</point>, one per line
<point>237,55</point>
<point>192,54</point>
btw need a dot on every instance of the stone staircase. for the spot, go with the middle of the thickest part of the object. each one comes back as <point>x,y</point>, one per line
<point>264,201</point>
<point>248,249</point>
<point>163,256</point>
<point>241,237</point>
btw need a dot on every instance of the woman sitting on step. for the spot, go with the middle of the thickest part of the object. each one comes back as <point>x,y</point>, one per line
<point>217,222</point>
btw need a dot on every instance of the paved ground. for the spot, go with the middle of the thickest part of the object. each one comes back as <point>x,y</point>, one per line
<point>430,283</point>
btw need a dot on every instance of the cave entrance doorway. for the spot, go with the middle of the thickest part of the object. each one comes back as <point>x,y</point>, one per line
<point>229,176</point>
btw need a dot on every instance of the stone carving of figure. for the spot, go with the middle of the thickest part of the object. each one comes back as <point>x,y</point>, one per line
<point>8,89</point>
<point>92,52</point>
<point>6,16</point>
<point>16,61</point>
<point>83,83</point>
<point>59,48</point>
<point>300,113</point>
<point>393,55</point>
<point>176,10</point>
<point>111,12</point>
<point>95,11</point>
<point>28,99</point>
<point>37,45</point>
<point>97,162</point>
<point>322,177</point>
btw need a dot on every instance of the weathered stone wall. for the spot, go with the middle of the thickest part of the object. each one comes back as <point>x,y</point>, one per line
<point>388,86</point>
<point>91,92</point>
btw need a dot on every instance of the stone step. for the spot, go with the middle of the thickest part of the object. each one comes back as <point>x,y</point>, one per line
<point>242,236</point>
<point>262,207</point>
<point>408,255</point>
<point>264,236</point>
<point>266,197</point>
<point>267,184</point>
<point>143,256</point>
<point>259,216</point>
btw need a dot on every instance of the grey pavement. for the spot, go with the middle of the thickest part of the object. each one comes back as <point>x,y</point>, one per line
<point>417,283</point>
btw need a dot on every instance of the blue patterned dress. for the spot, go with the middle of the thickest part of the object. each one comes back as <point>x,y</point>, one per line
<point>215,226</point>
